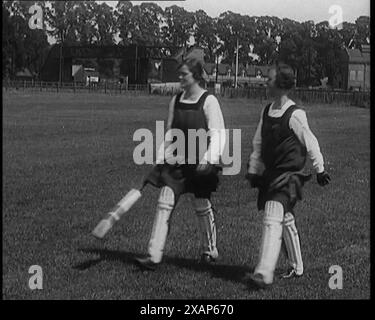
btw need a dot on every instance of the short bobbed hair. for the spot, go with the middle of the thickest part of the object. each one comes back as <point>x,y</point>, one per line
<point>285,79</point>
<point>195,66</point>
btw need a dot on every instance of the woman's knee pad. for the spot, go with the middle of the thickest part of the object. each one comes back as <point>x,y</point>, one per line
<point>166,198</point>
<point>202,206</point>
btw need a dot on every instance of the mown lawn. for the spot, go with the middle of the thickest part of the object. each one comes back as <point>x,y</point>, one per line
<point>67,159</point>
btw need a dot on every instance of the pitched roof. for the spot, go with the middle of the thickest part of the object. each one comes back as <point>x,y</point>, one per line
<point>365,48</point>
<point>224,68</point>
<point>356,56</point>
<point>250,71</point>
<point>210,66</point>
<point>24,73</point>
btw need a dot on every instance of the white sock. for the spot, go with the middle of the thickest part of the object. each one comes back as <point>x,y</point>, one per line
<point>161,224</point>
<point>207,227</point>
<point>292,243</point>
<point>271,240</point>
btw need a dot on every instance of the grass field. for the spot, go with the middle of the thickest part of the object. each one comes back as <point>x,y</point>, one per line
<point>67,159</point>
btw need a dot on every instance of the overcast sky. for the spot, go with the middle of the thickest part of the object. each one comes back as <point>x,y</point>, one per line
<point>299,10</point>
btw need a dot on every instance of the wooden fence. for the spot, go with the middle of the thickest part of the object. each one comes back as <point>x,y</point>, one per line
<point>354,98</point>
<point>74,87</point>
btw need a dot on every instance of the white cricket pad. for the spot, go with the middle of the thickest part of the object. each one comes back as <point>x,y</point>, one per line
<point>160,227</point>
<point>102,228</point>
<point>127,202</point>
<point>207,227</point>
<point>292,243</point>
<point>116,213</point>
<point>271,240</point>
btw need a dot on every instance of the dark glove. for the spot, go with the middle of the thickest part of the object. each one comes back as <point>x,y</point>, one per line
<point>254,179</point>
<point>323,178</point>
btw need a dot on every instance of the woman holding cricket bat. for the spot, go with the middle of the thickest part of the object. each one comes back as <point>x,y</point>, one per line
<point>194,171</point>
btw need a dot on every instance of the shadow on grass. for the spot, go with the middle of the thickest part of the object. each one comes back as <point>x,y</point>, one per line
<point>105,255</point>
<point>231,273</point>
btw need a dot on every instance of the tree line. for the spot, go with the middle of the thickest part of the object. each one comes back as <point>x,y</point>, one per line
<point>311,49</point>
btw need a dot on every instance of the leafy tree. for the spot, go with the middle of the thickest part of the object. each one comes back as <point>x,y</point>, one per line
<point>104,24</point>
<point>8,41</point>
<point>329,45</point>
<point>205,34</point>
<point>22,47</point>
<point>307,70</point>
<point>311,49</point>
<point>62,20</point>
<point>348,34</point>
<point>363,31</point>
<point>180,26</point>
<point>123,15</point>
<point>232,27</point>
<point>267,29</point>
<point>139,24</point>
<point>84,22</point>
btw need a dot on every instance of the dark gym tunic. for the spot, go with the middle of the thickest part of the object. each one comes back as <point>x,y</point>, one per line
<point>183,178</point>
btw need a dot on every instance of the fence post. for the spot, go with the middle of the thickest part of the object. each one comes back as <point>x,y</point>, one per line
<point>353,99</point>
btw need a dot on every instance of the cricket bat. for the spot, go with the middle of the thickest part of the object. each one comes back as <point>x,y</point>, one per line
<point>123,206</point>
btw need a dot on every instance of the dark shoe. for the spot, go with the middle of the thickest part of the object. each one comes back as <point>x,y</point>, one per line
<point>146,264</point>
<point>206,259</point>
<point>247,278</point>
<point>291,273</point>
<point>258,280</point>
